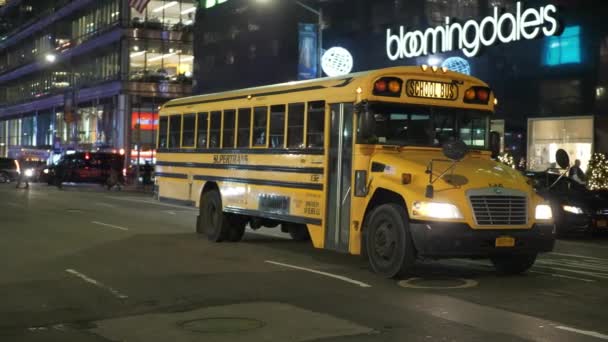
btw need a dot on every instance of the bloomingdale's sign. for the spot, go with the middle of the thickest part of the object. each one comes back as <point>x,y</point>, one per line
<point>472,35</point>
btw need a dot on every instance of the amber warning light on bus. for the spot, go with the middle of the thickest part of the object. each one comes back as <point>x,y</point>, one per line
<point>478,95</point>
<point>388,86</point>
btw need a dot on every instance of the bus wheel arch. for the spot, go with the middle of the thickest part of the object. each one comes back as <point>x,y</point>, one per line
<point>213,222</point>
<point>387,241</point>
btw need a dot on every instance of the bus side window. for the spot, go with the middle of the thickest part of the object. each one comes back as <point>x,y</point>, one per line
<point>244,131</point>
<point>203,123</point>
<point>295,125</point>
<point>260,121</point>
<point>214,132</point>
<point>162,132</point>
<point>277,126</point>
<point>228,129</point>
<point>188,130</point>
<point>175,129</point>
<point>316,124</point>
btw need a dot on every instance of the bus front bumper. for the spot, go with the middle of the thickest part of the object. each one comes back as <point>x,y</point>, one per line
<point>452,240</point>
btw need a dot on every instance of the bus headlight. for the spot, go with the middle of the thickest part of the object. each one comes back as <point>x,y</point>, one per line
<point>543,212</point>
<point>436,210</point>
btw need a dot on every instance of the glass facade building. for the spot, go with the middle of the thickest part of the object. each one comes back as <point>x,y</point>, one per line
<point>561,78</point>
<point>87,75</point>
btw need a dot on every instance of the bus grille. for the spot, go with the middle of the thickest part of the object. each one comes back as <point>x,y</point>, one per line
<point>499,210</point>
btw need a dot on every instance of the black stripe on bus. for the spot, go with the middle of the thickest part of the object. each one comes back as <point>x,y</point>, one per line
<point>176,201</point>
<point>292,185</point>
<point>308,170</point>
<point>273,216</point>
<point>316,152</point>
<point>242,97</point>
<point>171,175</point>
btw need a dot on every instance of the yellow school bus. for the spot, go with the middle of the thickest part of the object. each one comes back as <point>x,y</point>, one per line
<point>392,163</point>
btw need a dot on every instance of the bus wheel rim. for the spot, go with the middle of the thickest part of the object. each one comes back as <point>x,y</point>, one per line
<point>385,242</point>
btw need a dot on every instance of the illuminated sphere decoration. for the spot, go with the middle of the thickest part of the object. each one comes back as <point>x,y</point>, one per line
<point>337,61</point>
<point>457,64</point>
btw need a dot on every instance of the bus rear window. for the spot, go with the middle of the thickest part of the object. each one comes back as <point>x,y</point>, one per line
<point>162,132</point>
<point>175,128</point>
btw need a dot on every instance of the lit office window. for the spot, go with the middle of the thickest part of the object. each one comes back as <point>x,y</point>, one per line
<point>165,15</point>
<point>155,61</point>
<point>564,49</point>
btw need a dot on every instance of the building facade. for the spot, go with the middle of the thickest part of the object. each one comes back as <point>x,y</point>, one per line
<point>551,87</point>
<point>88,75</point>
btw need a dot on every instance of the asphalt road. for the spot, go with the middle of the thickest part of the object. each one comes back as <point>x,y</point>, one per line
<point>83,264</point>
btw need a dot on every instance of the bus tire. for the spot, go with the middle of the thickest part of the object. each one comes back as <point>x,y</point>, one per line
<point>513,264</point>
<point>213,222</point>
<point>298,232</point>
<point>237,227</point>
<point>389,245</point>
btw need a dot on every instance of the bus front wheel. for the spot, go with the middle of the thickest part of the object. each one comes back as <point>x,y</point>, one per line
<point>212,222</point>
<point>390,248</point>
<point>513,264</point>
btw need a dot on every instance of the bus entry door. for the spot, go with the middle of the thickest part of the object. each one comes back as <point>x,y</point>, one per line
<point>339,180</point>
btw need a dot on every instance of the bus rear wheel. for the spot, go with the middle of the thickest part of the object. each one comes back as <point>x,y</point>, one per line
<point>298,232</point>
<point>513,264</point>
<point>212,222</point>
<point>390,248</point>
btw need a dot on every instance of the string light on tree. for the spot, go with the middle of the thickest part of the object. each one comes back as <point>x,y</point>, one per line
<point>507,159</point>
<point>597,172</point>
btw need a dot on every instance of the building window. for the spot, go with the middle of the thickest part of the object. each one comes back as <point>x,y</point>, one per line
<point>166,15</point>
<point>155,61</point>
<point>564,49</point>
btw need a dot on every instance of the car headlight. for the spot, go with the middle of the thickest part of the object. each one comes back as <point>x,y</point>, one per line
<point>436,210</point>
<point>29,173</point>
<point>543,212</point>
<point>45,171</point>
<point>572,209</point>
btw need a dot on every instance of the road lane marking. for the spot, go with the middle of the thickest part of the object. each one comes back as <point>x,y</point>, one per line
<point>591,274</point>
<point>96,283</point>
<point>583,332</point>
<point>564,276</point>
<point>578,256</point>
<point>335,276</point>
<point>105,204</point>
<point>109,225</point>
<point>183,207</point>
<point>170,212</point>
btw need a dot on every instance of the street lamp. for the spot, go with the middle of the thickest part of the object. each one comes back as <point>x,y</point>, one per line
<point>319,14</point>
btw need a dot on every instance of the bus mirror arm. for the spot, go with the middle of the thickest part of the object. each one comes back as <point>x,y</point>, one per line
<point>430,190</point>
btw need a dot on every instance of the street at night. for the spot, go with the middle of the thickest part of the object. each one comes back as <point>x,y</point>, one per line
<point>85,264</point>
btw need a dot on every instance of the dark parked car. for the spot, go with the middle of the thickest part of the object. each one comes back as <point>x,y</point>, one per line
<point>575,208</point>
<point>84,167</point>
<point>9,170</point>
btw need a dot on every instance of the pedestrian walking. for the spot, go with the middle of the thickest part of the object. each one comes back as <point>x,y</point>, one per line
<point>23,177</point>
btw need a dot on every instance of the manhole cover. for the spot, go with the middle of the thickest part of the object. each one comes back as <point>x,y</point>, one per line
<point>438,283</point>
<point>221,325</point>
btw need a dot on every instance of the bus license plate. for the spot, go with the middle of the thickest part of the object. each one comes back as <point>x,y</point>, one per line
<point>602,224</point>
<point>505,241</point>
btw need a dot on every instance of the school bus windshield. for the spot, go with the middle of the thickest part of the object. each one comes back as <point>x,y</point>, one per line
<point>399,124</point>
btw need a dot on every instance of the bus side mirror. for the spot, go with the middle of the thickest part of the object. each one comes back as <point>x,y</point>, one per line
<point>366,122</point>
<point>495,144</point>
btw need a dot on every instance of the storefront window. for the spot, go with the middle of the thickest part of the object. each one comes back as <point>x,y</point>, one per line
<point>166,15</point>
<point>14,132</point>
<point>3,138</point>
<point>61,128</point>
<point>27,131</point>
<point>44,129</point>
<point>546,136</point>
<point>155,61</point>
<point>87,124</point>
